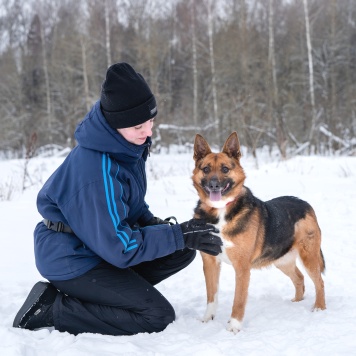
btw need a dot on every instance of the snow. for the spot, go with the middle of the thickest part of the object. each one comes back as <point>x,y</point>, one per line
<point>273,325</point>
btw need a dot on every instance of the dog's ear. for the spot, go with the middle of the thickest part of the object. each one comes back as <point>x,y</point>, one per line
<point>232,146</point>
<point>201,148</point>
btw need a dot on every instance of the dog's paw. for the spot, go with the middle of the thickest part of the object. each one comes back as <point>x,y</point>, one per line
<point>207,318</point>
<point>316,309</point>
<point>294,300</point>
<point>209,313</point>
<point>234,325</point>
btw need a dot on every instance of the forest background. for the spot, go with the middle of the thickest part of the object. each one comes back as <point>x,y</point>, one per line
<point>282,73</point>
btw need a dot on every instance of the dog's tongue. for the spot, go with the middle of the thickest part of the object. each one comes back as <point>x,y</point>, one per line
<point>215,196</point>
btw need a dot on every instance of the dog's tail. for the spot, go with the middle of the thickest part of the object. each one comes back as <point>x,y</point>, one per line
<point>322,262</point>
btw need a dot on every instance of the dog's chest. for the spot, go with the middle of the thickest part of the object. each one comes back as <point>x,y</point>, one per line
<point>227,243</point>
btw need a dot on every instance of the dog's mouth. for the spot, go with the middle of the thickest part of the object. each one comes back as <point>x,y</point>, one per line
<point>216,192</point>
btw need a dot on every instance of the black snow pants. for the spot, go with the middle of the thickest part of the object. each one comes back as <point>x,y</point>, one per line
<point>113,301</point>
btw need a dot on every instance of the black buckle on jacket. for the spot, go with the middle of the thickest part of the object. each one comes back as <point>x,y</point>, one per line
<point>57,226</point>
<point>48,223</point>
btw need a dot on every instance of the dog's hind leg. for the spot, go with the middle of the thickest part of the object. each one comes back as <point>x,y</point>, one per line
<point>288,266</point>
<point>312,257</point>
<point>311,263</point>
<point>212,267</point>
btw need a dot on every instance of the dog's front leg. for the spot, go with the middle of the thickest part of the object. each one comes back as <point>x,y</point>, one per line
<point>242,281</point>
<point>212,267</point>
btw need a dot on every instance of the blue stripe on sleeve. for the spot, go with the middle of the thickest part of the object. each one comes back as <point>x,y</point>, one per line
<point>112,206</point>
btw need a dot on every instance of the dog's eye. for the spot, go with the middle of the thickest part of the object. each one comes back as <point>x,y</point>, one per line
<point>225,170</point>
<point>206,170</point>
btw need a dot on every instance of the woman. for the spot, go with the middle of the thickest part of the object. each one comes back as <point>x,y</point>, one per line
<point>99,245</point>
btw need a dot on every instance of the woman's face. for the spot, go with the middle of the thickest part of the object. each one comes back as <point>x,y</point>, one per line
<point>137,134</point>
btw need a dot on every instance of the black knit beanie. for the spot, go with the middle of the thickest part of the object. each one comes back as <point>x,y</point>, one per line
<point>126,99</point>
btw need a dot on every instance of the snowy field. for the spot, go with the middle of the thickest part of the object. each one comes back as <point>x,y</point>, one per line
<point>273,325</point>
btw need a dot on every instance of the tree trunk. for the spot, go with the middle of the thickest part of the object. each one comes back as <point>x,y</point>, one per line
<point>85,73</point>
<point>311,71</point>
<point>195,70</point>
<point>333,113</point>
<point>107,34</point>
<point>213,74</point>
<point>276,113</point>
<point>47,86</point>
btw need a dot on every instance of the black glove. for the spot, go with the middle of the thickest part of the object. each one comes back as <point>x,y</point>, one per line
<point>198,235</point>
<point>157,221</point>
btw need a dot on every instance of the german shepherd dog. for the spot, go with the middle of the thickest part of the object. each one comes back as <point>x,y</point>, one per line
<point>255,234</point>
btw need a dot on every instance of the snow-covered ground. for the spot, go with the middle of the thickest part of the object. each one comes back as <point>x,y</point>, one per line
<point>273,325</point>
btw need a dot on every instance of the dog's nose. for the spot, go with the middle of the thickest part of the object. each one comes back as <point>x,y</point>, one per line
<point>214,184</point>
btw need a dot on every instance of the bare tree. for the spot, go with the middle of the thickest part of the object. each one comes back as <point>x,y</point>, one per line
<point>107,33</point>
<point>83,45</point>
<point>334,116</point>
<point>213,73</point>
<point>311,71</point>
<point>47,86</point>
<point>276,107</point>
<point>246,83</point>
<point>195,69</point>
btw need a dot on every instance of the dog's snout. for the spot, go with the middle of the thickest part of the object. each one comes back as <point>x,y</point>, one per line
<point>214,184</point>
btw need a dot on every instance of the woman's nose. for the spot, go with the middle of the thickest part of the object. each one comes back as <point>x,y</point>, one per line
<point>147,126</point>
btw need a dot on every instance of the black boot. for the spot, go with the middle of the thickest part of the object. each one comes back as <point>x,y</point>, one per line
<point>37,311</point>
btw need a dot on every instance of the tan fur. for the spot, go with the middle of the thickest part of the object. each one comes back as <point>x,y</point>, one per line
<point>243,250</point>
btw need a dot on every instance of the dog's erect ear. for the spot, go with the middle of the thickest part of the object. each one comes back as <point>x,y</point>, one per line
<point>201,148</point>
<point>232,146</point>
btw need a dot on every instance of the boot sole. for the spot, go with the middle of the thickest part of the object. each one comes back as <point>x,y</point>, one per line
<point>35,294</point>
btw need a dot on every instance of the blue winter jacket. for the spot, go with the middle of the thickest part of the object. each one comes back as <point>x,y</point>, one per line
<point>99,191</point>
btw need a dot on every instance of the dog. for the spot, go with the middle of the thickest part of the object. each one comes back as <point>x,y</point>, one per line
<point>255,234</point>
